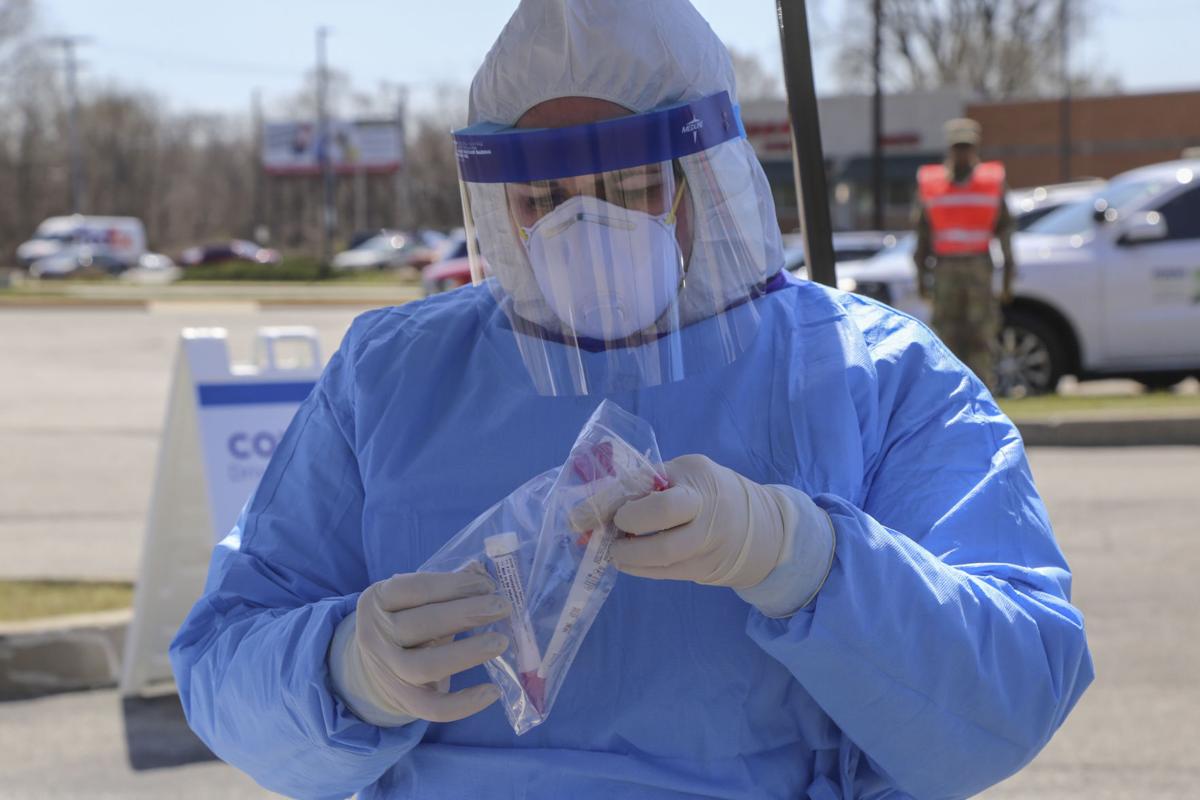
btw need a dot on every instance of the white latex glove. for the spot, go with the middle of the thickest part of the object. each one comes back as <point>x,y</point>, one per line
<point>392,659</point>
<point>601,501</point>
<point>714,526</point>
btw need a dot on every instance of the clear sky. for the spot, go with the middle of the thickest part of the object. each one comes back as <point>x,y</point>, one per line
<point>211,54</point>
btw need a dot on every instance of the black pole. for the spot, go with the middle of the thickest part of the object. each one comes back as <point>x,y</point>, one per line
<point>877,124</point>
<point>1065,114</point>
<point>807,156</point>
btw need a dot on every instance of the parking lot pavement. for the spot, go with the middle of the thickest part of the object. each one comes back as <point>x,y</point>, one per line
<point>1127,520</point>
<point>72,746</point>
<point>82,405</point>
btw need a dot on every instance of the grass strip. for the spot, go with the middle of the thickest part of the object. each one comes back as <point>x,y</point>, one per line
<point>24,600</point>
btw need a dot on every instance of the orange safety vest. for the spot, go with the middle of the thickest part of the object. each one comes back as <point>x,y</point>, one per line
<point>962,216</point>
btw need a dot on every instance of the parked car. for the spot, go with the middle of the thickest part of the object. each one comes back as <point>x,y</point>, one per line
<point>78,260</point>
<point>120,238</point>
<point>1030,205</point>
<point>236,250</point>
<point>385,250</point>
<point>155,261</point>
<point>451,272</point>
<point>1108,286</point>
<point>358,237</point>
<point>847,246</point>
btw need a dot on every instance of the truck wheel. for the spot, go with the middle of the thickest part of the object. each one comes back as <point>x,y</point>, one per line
<point>1030,355</point>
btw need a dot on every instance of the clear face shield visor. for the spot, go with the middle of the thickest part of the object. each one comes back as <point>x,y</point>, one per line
<point>624,253</point>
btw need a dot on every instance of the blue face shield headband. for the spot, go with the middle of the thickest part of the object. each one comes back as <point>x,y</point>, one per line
<point>603,240</point>
<point>489,153</point>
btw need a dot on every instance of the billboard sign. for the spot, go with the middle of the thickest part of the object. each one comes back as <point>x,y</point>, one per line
<point>294,148</point>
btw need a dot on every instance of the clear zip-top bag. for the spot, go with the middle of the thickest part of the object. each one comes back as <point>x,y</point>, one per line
<point>546,546</point>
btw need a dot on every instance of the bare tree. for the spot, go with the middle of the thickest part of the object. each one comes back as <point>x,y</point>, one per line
<point>430,180</point>
<point>755,80</point>
<point>16,21</point>
<point>190,177</point>
<point>995,49</point>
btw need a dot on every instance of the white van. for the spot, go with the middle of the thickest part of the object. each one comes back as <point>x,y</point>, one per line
<point>122,238</point>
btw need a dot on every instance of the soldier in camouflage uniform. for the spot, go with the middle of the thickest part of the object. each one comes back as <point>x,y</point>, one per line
<point>960,208</point>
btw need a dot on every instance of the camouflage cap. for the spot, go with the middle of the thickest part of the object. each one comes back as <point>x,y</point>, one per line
<point>962,131</point>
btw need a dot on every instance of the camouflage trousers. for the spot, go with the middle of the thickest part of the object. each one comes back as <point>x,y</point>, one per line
<point>966,314</point>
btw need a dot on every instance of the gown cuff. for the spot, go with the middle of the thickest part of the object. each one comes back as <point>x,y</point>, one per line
<point>805,562</point>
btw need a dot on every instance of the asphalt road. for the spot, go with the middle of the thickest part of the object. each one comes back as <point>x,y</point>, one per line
<point>1127,520</point>
<point>82,400</point>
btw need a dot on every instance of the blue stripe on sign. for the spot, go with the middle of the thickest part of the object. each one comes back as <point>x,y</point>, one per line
<point>249,394</point>
<point>489,153</point>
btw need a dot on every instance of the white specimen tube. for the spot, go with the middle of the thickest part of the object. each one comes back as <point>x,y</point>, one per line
<point>502,549</point>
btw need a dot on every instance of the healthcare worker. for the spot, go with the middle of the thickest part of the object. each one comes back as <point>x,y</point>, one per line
<point>850,590</point>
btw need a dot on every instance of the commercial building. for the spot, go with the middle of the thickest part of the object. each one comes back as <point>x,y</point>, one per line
<point>912,135</point>
<point>1108,135</point>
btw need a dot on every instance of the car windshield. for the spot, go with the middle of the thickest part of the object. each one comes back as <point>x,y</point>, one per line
<point>56,237</point>
<point>383,242</point>
<point>1079,217</point>
<point>1025,220</point>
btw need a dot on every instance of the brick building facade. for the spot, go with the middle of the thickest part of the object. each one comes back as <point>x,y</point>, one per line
<point>1109,134</point>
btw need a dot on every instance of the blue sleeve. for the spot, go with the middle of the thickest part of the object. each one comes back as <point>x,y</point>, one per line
<point>250,660</point>
<point>943,643</point>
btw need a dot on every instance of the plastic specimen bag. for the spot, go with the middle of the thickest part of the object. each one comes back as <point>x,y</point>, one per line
<point>547,546</point>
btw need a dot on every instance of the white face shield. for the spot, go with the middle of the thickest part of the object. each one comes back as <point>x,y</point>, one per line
<point>624,253</point>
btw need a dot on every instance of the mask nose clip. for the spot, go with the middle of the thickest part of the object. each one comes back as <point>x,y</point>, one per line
<point>607,220</point>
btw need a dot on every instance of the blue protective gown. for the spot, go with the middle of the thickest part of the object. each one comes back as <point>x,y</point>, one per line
<point>938,658</point>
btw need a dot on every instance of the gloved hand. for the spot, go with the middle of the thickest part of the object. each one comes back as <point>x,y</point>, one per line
<point>602,500</point>
<point>714,526</point>
<point>392,659</point>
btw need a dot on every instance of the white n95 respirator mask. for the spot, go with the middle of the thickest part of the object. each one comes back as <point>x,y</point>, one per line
<point>606,271</point>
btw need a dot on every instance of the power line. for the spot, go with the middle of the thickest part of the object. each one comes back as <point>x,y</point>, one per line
<point>173,59</point>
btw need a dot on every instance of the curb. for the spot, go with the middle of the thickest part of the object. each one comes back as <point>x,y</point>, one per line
<point>62,654</point>
<point>1109,431</point>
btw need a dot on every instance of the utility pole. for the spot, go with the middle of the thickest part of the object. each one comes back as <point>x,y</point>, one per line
<point>362,212</point>
<point>256,119</point>
<point>1065,114</point>
<point>398,186</point>
<point>807,155</point>
<point>75,156</point>
<point>877,123</point>
<point>324,156</point>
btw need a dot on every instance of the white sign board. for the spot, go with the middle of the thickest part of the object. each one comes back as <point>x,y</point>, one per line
<point>294,148</point>
<point>222,425</point>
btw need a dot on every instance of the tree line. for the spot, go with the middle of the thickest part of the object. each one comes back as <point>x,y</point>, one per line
<point>193,177</point>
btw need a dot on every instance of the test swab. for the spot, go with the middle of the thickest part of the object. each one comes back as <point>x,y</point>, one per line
<point>608,458</point>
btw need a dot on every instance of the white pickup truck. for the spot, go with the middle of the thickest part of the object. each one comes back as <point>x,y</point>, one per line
<point>1108,286</point>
